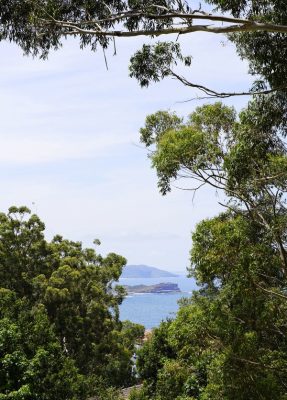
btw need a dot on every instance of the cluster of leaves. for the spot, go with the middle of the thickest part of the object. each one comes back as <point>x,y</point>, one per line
<point>229,341</point>
<point>268,62</point>
<point>60,335</point>
<point>155,62</point>
<point>244,158</point>
<point>35,24</point>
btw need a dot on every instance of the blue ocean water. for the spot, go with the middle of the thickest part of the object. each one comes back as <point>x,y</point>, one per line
<point>149,309</point>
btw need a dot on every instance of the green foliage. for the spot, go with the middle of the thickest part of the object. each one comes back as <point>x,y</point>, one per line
<point>131,333</point>
<point>108,393</point>
<point>60,335</point>
<point>154,62</point>
<point>32,23</point>
<point>32,363</point>
<point>245,158</point>
<point>229,340</point>
<point>173,378</point>
<point>152,354</point>
<point>38,27</point>
<point>268,60</point>
<point>195,146</point>
<point>138,394</point>
<point>156,124</point>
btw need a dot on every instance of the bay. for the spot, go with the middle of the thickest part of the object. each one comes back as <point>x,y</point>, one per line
<point>149,309</point>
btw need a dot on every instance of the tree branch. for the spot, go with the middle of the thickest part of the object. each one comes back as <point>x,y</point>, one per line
<point>210,93</point>
<point>236,25</point>
<point>282,296</point>
<point>258,364</point>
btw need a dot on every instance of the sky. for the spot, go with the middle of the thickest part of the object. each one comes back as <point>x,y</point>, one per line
<point>70,147</point>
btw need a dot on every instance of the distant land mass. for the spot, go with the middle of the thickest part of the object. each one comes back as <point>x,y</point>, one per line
<point>144,271</point>
<point>158,288</point>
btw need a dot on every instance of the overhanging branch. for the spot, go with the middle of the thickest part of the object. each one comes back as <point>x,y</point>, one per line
<point>96,27</point>
<point>210,93</point>
<point>250,27</point>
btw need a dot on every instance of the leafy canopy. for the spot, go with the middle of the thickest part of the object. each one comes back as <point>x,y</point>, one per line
<point>229,340</point>
<point>61,336</point>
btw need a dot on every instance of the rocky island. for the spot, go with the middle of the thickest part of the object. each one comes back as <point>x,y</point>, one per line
<point>157,288</point>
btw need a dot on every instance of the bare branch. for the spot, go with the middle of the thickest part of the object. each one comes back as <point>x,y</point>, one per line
<point>235,25</point>
<point>210,93</point>
<point>170,22</point>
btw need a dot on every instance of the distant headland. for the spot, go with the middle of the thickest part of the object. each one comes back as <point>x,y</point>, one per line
<point>145,271</point>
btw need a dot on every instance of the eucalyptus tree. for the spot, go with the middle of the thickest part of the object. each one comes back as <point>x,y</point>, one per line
<point>229,341</point>
<point>245,158</point>
<point>38,26</point>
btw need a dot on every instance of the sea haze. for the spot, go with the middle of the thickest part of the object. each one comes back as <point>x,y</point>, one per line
<point>149,309</point>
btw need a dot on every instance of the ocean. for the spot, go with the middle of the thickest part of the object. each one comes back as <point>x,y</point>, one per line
<point>149,309</point>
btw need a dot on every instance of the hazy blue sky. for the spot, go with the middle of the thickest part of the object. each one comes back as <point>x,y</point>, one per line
<point>70,146</point>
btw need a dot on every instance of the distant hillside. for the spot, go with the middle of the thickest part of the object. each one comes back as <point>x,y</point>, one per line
<point>144,271</point>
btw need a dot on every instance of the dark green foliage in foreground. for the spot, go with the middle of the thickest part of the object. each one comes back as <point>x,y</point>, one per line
<point>229,341</point>
<point>60,336</point>
<point>33,365</point>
